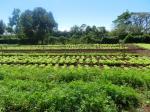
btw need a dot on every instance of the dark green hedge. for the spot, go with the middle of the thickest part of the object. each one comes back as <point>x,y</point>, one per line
<point>137,38</point>
<point>19,39</point>
<point>107,40</point>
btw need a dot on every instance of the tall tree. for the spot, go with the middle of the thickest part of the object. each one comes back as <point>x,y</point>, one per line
<point>122,24</point>
<point>38,24</point>
<point>140,22</point>
<point>75,29</point>
<point>26,22</point>
<point>2,27</point>
<point>14,21</point>
<point>133,23</point>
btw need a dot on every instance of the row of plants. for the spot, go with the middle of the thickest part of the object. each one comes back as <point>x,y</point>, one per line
<point>141,67</point>
<point>108,60</point>
<point>55,89</point>
<point>77,46</point>
<point>66,54</point>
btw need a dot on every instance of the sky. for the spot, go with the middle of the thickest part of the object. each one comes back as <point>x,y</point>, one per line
<point>68,13</point>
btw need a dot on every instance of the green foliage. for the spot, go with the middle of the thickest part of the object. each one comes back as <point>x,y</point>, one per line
<point>76,97</point>
<point>37,24</point>
<point>2,27</point>
<point>144,46</point>
<point>73,75</point>
<point>74,89</point>
<point>129,38</point>
<point>39,27</point>
<point>132,23</point>
<point>146,38</point>
<point>107,40</point>
<point>130,78</point>
<point>14,22</point>
<point>1,76</point>
<point>125,98</point>
<point>137,38</point>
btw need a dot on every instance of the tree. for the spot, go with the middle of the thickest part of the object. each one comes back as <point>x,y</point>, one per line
<point>132,23</point>
<point>43,23</point>
<point>14,21</point>
<point>2,27</point>
<point>38,24</point>
<point>122,24</point>
<point>75,29</point>
<point>9,29</point>
<point>26,22</point>
<point>140,23</point>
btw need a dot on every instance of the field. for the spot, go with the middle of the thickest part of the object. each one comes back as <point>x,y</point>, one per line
<point>146,46</point>
<point>75,78</point>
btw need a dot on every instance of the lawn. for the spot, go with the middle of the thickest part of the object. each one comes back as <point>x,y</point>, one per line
<point>145,46</point>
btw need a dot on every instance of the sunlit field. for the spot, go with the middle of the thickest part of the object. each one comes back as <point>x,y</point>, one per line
<point>75,79</point>
<point>74,56</point>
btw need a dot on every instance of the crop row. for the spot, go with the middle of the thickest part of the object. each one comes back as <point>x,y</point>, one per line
<point>25,89</point>
<point>78,46</point>
<point>66,54</point>
<point>95,60</point>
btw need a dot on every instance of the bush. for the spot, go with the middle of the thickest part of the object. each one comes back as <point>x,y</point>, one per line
<point>147,80</point>
<point>125,98</point>
<point>128,39</point>
<point>1,76</point>
<point>70,75</point>
<point>137,38</point>
<point>75,97</point>
<point>132,80</point>
<point>146,38</point>
<point>111,40</point>
<point>27,89</point>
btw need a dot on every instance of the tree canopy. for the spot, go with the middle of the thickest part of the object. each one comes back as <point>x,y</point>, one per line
<point>133,23</point>
<point>2,27</point>
<point>38,26</point>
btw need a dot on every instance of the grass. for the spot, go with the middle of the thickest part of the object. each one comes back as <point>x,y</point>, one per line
<point>145,46</point>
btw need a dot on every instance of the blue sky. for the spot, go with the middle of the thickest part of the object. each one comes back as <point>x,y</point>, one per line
<point>76,12</point>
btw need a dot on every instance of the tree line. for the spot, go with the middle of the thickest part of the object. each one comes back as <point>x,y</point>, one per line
<point>38,26</point>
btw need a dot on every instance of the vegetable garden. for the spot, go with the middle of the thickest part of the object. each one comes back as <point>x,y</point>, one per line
<point>117,80</point>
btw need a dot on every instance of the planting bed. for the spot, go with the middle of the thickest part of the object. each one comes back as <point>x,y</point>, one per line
<point>110,60</point>
<point>82,89</point>
<point>74,78</point>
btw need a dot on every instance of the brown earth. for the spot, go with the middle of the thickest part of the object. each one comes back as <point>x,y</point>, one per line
<point>138,50</point>
<point>131,48</point>
<point>146,108</point>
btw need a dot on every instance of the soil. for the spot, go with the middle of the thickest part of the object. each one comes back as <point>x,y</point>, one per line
<point>138,50</point>
<point>131,48</point>
<point>146,108</point>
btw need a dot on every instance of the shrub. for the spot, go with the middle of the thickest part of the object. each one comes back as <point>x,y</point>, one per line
<point>1,76</point>
<point>147,80</point>
<point>75,97</point>
<point>126,79</point>
<point>137,38</point>
<point>125,98</point>
<point>75,74</point>
<point>128,39</point>
<point>111,40</point>
<point>146,38</point>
